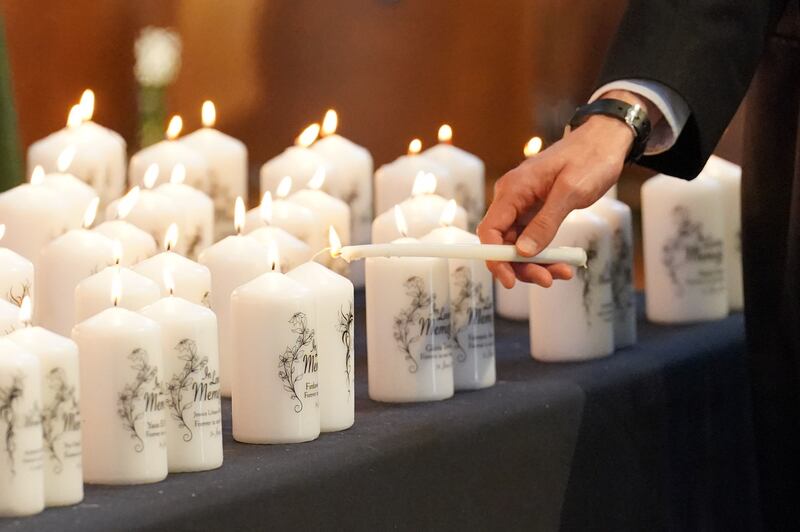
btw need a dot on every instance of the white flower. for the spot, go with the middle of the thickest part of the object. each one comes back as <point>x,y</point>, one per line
<point>158,56</point>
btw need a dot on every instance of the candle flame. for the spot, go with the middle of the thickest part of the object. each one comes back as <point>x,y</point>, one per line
<point>308,136</point>
<point>91,213</point>
<point>87,105</point>
<point>178,175</point>
<point>2,231</point>
<point>150,176</point>
<point>209,113</point>
<point>400,221</point>
<point>174,128</point>
<point>37,176</point>
<point>317,180</point>
<point>448,213</point>
<point>445,133</point>
<point>284,187</point>
<point>424,183</point>
<point>273,255</point>
<point>171,237</point>
<point>169,281</point>
<point>414,147</point>
<point>75,116</point>
<point>532,147</point>
<point>116,251</point>
<point>26,310</point>
<point>116,287</point>
<point>238,215</point>
<point>334,242</point>
<point>126,203</point>
<point>265,209</point>
<point>330,123</point>
<point>65,158</point>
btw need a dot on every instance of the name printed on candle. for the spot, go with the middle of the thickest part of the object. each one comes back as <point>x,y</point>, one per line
<point>297,361</point>
<point>693,258</point>
<point>423,318</point>
<point>193,390</point>
<point>592,277</point>
<point>11,419</point>
<point>144,394</point>
<point>61,419</point>
<point>621,274</point>
<point>473,315</point>
<point>16,295</point>
<point>345,327</point>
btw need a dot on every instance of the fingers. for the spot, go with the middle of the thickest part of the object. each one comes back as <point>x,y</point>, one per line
<point>533,273</point>
<point>503,272</point>
<point>543,227</point>
<point>562,272</point>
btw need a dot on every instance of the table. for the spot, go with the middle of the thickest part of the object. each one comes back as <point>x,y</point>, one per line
<point>656,437</point>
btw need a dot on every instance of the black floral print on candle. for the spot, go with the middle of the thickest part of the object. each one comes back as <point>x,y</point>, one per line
<point>16,296</point>
<point>691,245</point>
<point>345,327</point>
<point>622,273</point>
<point>585,275</point>
<point>405,322</point>
<point>181,382</point>
<point>9,396</point>
<point>59,416</point>
<point>290,362</point>
<point>206,299</point>
<point>469,305</point>
<point>129,400</point>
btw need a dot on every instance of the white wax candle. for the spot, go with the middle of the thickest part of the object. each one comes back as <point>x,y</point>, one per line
<point>618,217</point>
<point>16,275</point>
<point>196,214</point>
<point>227,165</point>
<point>233,261</point>
<point>191,373</point>
<point>684,250</point>
<point>333,306</point>
<point>136,244</point>
<point>298,161</point>
<point>408,329</point>
<point>9,318</point>
<point>21,472</point>
<point>471,313</point>
<point>275,383</point>
<point>574,320</point>
<point>91,294</point>
<point>394,181</point>
<point>33,215</point>
<point>513,303</point>
<point>729,177</point>
<point>467,175</point>
<point>75,193</point>
<point>293,251</point>
<point>293,218</point>
<point>151,212</point>
<point>60,414</point>
<point>192,280</point>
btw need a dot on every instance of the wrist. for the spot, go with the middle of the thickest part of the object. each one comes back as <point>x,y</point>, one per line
<point>617,137</point>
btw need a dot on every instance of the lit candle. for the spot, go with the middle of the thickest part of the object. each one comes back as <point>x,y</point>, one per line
<point>9,318</point>
<point>275,383</point>
<point>287,215</point>
<point>77,194</point>
<point>192,280</point>
<point>394,181</point>
<point>683,225</point>
<point>471,309</point>
<point>467,174</point>
<point>227,165</point>
<point>122,398</point>
<point>408,327</point>
<point>292,250</point>
<point>196,209</point>
<point>136,243</point>
<point>64,263</point>
<point>422,210</point>
<point>191,373</point>
<point>21,473</point>
<point>16,274</point>
<point>60,412</point>
<point>574,320</point>
<point>333,328</point>
<point>298,161</point>
<point>233,261</point>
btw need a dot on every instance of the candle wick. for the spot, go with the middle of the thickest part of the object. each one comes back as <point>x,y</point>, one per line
<point>322,252</point>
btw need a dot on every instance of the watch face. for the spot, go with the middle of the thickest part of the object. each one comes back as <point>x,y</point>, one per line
<point>633,113</point>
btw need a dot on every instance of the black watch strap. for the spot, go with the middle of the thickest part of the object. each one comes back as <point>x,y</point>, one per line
<point>634,116</point>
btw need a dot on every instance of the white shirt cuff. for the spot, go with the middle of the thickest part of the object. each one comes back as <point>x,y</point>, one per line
<point>670,103</point>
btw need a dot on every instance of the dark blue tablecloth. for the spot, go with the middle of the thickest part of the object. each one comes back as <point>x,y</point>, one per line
<point>656,437</point>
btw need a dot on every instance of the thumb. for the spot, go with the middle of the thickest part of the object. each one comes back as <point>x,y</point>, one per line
<point>543,226</point>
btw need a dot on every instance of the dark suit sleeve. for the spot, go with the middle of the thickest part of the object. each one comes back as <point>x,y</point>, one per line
<point>705,50</point>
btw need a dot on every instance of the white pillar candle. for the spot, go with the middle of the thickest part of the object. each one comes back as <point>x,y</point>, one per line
<point>64,263</point>
<point>196,220</point>
<point>227,165</point>
<point>136,244</point>
<point>729,177</point>
<point>683,226</point>
<point>16,274</point>
<point>408,327</point>
<point>191,378</point>
<point>91,294</point>
<point>574,320</point>
<point>9,318</point>
<point>471,310</point>
<point>292,217</point>
<point>333,305</point>
<point>167,154</point>
<point>422,211</point>
<point>618,217</point>
<point>192,280</point>
<point>275,381</point>
<point>60,414</point>
<point>75,193</point>
<point>293,251</point>
<point>298,161</point>
<point>394,181</point>
<point>21,471</point>
<point>233,261</point>
<point>151,212</point>
<point>122,398</point>
<point>467,174</point>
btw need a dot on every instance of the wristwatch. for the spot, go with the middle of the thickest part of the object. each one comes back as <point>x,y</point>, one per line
<point>634,116</point>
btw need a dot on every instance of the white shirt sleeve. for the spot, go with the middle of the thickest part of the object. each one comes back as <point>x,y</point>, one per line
<point>674,108</point>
